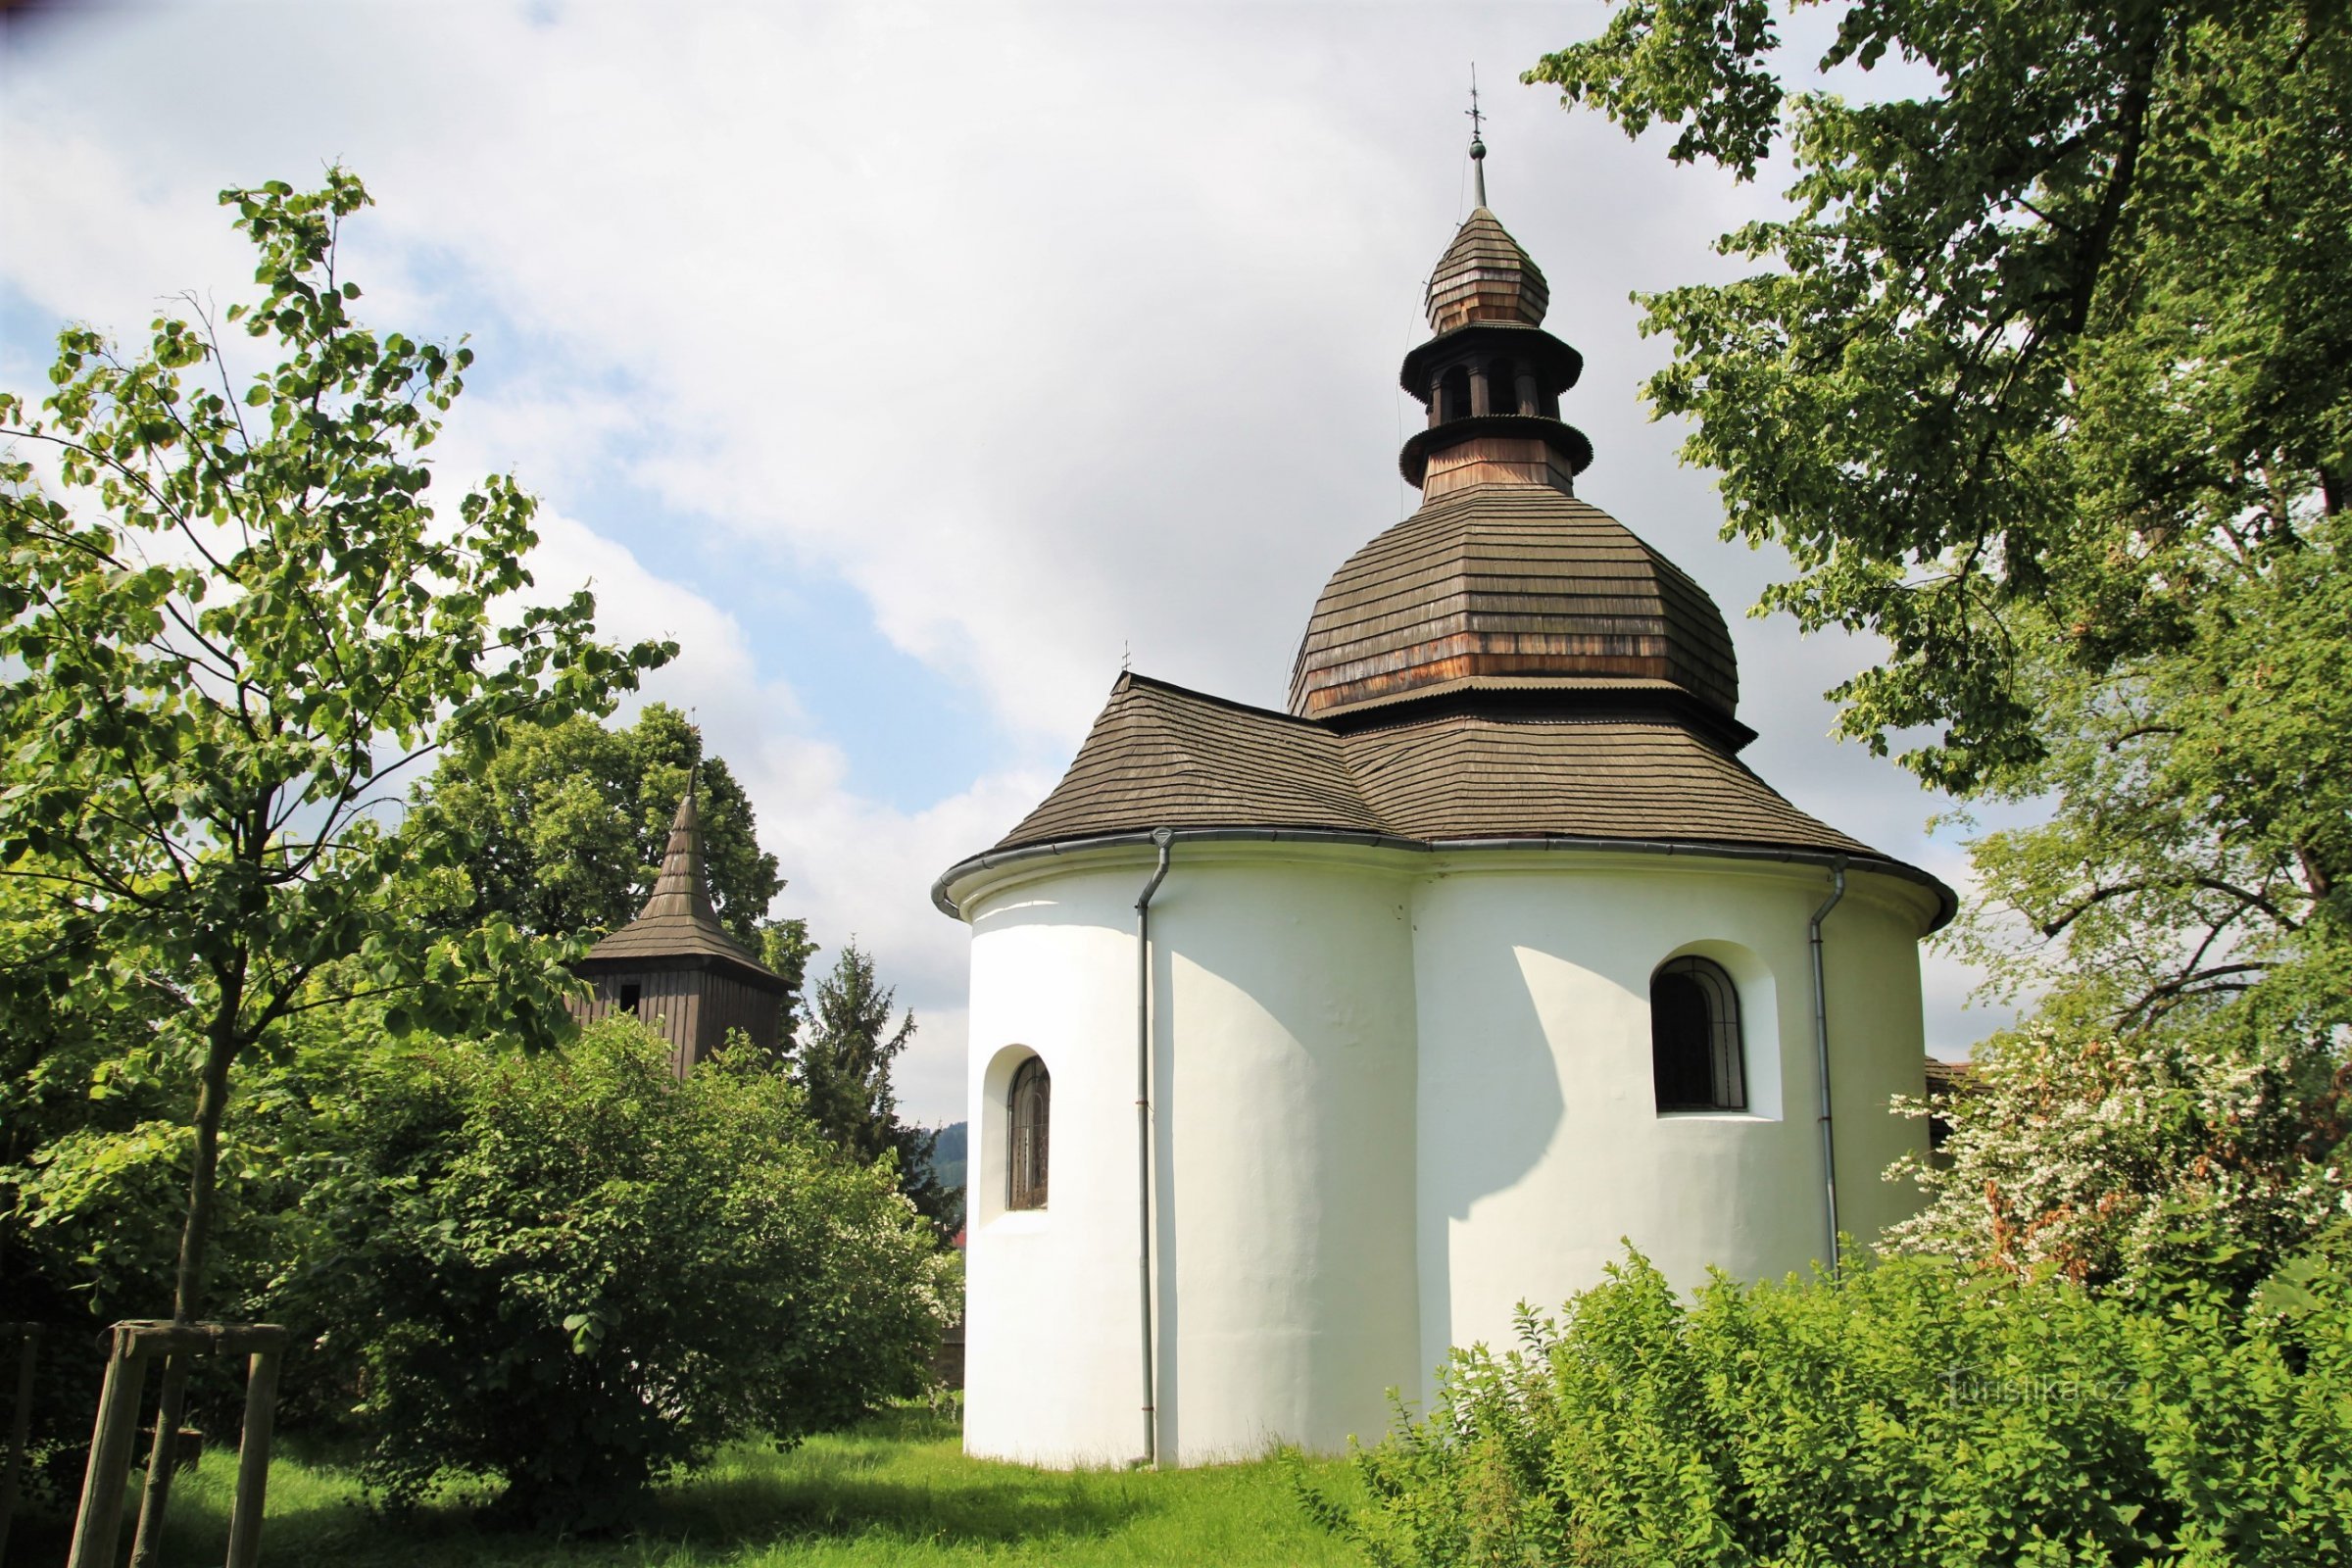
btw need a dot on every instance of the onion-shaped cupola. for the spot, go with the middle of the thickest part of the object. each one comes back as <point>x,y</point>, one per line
<point>1504,593</point>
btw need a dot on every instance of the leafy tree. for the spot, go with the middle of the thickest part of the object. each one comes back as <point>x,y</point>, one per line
<point>567,822</point>
<point>785,947</point>
<point>2046,379</point>
<point>93,1162</point>
<point>2061,341</point>
<point>237,618</point>
<point>574,1271</point>
<point>843,1062</point>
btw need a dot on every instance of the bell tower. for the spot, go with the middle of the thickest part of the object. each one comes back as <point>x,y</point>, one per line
<point>675,967</point>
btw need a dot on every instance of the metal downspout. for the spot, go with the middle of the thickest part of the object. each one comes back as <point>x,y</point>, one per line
<point>1820,1062</point>
<point>1164,838</point>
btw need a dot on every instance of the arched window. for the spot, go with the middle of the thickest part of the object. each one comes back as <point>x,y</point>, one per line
<point>1028,1106</point>
<point>1695,1048</point>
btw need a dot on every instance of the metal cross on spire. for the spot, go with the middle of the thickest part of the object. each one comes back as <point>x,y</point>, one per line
<point>1478,147</point>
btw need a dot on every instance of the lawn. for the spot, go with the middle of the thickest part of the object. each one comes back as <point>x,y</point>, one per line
<point>898,1490</point>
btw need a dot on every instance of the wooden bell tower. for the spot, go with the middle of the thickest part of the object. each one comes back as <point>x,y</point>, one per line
<point>676,968</point>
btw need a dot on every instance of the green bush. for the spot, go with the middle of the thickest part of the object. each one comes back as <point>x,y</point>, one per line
<point>1912,1415</point>
<point>575,1272</point>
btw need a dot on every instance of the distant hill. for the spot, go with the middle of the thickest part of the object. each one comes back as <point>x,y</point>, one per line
<point>948,1153</point>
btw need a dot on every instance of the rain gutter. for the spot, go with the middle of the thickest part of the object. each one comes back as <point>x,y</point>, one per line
<point>1948,904</point>
<point>1164,838</point>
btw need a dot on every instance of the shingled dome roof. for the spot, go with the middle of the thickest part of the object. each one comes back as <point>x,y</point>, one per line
<point>1509,665</point>
<point>1485,277</point>
<point>1510,585</point>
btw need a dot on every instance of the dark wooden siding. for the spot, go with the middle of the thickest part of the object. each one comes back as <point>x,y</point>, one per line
<point>691,1008</point>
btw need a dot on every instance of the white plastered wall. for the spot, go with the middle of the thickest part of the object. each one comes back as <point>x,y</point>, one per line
<point>1541,1149</point>
<point>1395,1095</point>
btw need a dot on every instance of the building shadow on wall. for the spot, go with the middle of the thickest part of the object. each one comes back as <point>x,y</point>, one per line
<point>1491,1102</point>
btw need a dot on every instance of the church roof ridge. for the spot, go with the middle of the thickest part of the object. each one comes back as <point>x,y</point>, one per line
<point>1137,677</point>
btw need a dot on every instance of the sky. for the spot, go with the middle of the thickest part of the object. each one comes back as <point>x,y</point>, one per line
<point>916,366</point>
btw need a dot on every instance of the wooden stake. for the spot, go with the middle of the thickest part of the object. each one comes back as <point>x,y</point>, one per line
<point>20,1426</point>
<point>98,1525</point>
<point>253,1458</point>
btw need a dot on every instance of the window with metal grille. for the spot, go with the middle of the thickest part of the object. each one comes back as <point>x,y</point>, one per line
<point>1029,1111</point>
<point>1695,1048</point>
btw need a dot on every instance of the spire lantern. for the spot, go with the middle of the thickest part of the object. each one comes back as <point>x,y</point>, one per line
<point>1492,377</point>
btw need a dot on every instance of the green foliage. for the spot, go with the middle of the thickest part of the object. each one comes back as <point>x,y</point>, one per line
<point>1906,1416</point>
<point>784,946</point>
<point>2188,880</point>
<point>2042,355</point>
<point>2046,379</point>
<point>2146,1165</point>
<point>236,620</point>
<point>573,1272</point>
<point>566,825</point>
<point>843,1062</point>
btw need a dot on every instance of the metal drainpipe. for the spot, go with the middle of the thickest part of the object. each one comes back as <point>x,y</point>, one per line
<point>1164,838</point>
<point>1821,1060</point>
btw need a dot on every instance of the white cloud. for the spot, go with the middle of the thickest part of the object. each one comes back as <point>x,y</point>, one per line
<point>1048,333</point>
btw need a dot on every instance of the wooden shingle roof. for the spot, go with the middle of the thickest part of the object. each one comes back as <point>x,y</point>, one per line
<point>1160,756</point>
<point>1485,277</point>
<point>1507,666</point>
<point>678,923</point>
<point>1516,581</point>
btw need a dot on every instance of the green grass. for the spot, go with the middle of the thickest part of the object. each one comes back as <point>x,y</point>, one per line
<point>898,1490</point>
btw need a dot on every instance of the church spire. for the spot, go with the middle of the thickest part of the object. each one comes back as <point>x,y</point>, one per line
<point>681,888</point>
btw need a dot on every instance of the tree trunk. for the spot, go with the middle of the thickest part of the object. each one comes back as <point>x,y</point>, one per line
<point>212,1100</point>
<point>187,1296</point>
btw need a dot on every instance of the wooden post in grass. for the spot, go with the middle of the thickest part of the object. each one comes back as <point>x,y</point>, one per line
<point>19,1421</point>
<point>98,1524</point>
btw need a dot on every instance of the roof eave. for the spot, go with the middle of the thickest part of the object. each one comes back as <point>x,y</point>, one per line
<point>1947,903</point>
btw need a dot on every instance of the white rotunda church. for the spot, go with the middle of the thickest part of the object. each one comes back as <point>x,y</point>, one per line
<point>1304,1044</point>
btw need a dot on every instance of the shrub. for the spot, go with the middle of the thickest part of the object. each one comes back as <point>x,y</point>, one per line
<point>576,1272</point>
<point>2134,1162</point>
<point>1911,1414</point>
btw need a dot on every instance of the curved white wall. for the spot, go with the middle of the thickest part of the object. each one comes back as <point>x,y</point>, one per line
<point>1543,1151</point>
<point>1396,1094</point>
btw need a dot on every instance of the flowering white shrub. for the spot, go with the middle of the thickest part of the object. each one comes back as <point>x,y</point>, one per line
<point>2131,1161</point>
